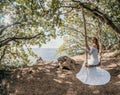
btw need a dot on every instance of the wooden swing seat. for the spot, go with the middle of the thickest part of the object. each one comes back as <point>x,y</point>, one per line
<point>92,65</point>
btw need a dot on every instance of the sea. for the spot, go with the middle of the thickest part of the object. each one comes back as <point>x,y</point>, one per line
<point>47,54</point>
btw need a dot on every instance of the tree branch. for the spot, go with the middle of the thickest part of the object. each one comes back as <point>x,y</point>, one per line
<point>101,15</point>
<point>118,1</point>
<point>3,54</point>
<point>5,42</point>
<point>2,30</point>
<point>76,31</point>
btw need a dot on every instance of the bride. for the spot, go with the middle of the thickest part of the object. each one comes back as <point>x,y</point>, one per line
<point>91,74</point>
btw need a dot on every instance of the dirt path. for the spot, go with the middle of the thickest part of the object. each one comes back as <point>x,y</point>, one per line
<point>47,79</point>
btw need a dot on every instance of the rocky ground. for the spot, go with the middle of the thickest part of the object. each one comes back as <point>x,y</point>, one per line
<point>47,78</point>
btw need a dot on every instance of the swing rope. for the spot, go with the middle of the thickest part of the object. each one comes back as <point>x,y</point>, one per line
<point>100,42</point>
<point>86,42</point>
<point>85,31</point>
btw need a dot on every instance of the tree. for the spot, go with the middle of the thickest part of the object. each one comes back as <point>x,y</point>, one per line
<point>24,23</point>
<point>33,22</point>
<point>107,12</point>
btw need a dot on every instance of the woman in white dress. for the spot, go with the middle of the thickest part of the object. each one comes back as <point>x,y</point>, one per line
<point>91,74</point>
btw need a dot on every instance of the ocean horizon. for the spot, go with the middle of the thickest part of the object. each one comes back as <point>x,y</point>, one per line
<point>47,54</point>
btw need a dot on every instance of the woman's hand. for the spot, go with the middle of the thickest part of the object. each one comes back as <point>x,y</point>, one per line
<point>87,46</point>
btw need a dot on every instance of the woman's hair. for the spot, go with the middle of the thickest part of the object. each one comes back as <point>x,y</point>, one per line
<point>96,42</point>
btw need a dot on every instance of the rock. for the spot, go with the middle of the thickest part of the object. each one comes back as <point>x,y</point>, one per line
<point>118,76</point>
<point>66,63</point>
<point>39,60</point>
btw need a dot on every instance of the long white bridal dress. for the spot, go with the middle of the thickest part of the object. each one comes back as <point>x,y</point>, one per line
<point>93,75</point>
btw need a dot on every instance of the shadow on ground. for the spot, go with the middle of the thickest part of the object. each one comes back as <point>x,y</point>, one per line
<point>47,79</point>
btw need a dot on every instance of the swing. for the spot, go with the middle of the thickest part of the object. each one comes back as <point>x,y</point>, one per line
<point>93,75</point>
<point>86,43</point>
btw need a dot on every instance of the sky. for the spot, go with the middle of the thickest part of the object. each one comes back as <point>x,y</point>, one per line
<point>54,43</point>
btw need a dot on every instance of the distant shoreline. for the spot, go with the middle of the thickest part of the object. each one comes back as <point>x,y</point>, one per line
<point>47,54</point>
